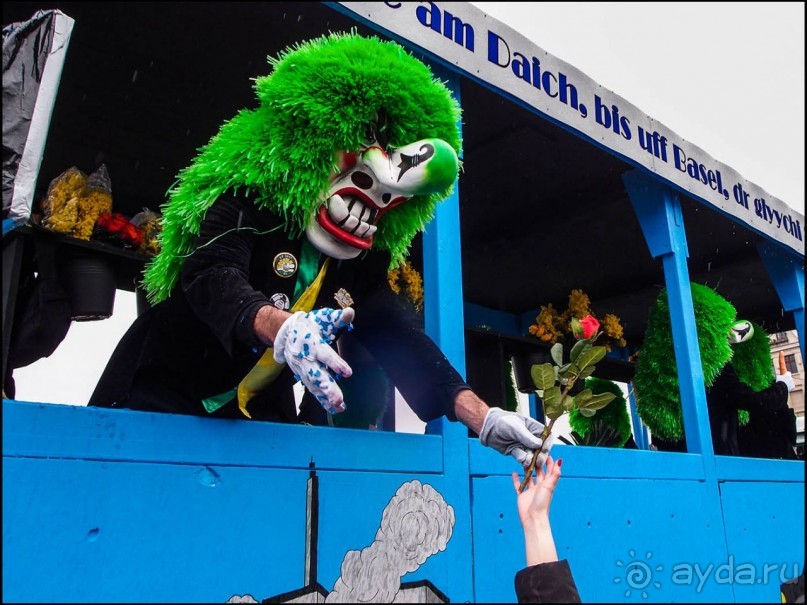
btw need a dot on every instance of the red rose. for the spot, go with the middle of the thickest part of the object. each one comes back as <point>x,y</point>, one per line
<point>590,326</point>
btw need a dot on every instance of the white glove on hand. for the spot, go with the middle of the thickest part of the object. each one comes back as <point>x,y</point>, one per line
<point>787,378</point>
<point>513,434</point>
<point>303,342</point>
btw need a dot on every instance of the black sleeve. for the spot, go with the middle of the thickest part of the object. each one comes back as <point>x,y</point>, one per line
<point>215,277</point>
<point>547,583</point>
<point>736,395</point>
<point>391,331</point>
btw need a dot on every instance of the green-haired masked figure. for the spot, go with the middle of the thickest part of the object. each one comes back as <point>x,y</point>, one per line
<point>737,372</point>
<point>280,234</point>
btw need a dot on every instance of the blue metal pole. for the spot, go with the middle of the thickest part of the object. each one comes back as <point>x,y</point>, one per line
<point>445,324</point>
<point>659,212</point>
<point>786,271</point>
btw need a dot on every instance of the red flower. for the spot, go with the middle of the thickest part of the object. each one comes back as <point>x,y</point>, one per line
<point>116,224</point>
<point>590,326</point>
<point>585,328</point>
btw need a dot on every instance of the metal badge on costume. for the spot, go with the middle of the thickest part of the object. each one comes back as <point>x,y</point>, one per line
<point>343,298</point>
<point>280,300</point>
<point>284,264</point>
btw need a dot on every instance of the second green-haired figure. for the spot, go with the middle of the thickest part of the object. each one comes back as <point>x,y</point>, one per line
<point>275,246</point>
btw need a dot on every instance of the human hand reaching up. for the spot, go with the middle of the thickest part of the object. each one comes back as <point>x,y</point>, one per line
<point>533,511</point>
<point>534,501</point>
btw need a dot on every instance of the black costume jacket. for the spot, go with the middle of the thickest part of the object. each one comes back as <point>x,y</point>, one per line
<point>200,341</point>
<point>727,395</point>
<point>547,583</point>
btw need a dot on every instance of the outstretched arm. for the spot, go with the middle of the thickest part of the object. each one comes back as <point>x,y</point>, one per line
<point>533,510</point>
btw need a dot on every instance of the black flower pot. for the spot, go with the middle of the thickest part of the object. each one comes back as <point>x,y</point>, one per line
<point>90,283</point>
<point>522,367</point>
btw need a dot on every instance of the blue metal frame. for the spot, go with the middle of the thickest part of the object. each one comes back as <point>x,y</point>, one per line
<point>787,274</point>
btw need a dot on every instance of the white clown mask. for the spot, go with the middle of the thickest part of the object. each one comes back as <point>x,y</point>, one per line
<point>740,331</point>
<point>368,183</point>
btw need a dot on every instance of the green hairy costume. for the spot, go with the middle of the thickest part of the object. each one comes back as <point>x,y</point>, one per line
<point>320,97</point>
<point>655,381</point>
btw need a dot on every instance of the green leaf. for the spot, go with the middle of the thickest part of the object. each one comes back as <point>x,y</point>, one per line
<point>571,371</point>
<point>577,328</point>
<point>569,403</point>
<point>586,372</point>
<point>583,396</point>
<point>557,353</point>
<point>590,357</point>
<point>552,396</point>
<point>597,402</point>
<point>587,412</point>
<point>554,409</point>
<point>579,347</point>
<point>543,376</point>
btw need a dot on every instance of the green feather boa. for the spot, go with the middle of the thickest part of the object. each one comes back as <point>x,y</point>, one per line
<point>320,97</point>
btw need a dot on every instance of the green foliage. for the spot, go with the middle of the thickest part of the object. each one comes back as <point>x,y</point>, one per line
<point>554,381</point>
<point>611,425</point>
<point>656,377</point>
<point>320,98</point>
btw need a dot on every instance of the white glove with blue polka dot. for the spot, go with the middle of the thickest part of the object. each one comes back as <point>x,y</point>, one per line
<point>303,342</point>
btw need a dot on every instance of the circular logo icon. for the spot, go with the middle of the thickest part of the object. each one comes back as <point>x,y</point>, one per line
<point>285,265</point>
<point>280,300</point>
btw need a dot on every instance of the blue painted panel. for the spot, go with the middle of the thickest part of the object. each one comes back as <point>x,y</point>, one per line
<point>764,528</point>
<point>733,468</point>
<point>602,527</point>
<point>597,462</point>
<point>38,430</point>
<point>93,531</point>
<point>79,527</point>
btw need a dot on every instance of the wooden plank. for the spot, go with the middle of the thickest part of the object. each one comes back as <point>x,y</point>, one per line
<point>764,524</point>
<point>75,432</point>
<point>100,531</point>
<point>734,468</point>
<point>597,462</point>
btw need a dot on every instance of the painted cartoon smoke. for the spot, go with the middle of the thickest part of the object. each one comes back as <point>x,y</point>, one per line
<point>416,524</point>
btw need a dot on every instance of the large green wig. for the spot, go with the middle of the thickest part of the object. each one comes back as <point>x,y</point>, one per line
<point>655,381</point>
<point>320,97</point>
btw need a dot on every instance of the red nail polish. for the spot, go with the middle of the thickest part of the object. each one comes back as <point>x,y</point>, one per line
<point>560,461</point>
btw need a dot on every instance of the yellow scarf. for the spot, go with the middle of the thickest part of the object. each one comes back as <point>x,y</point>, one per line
<point>267,369</point>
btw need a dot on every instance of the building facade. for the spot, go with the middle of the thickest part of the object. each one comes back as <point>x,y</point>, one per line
<point>788,344</point>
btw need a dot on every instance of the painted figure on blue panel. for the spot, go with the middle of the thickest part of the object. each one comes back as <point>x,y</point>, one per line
<point>416,524</point>
<point>275,246</point>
